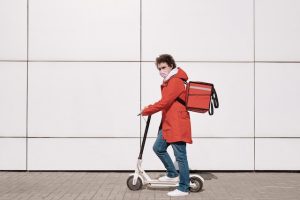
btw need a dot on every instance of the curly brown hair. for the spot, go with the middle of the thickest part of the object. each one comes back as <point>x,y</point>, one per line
<point>165,58</point>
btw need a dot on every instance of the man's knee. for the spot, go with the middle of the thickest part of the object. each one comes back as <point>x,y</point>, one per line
<point>157,149</point>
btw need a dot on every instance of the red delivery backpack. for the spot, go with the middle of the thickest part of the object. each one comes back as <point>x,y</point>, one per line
<point>200,97</point>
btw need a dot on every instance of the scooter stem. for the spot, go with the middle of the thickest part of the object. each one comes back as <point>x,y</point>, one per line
<point>144,138</point>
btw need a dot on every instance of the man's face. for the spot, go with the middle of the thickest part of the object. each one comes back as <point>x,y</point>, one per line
<point>164,68</point>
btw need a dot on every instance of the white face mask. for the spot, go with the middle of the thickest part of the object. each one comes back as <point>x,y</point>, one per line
<point>163,74</point>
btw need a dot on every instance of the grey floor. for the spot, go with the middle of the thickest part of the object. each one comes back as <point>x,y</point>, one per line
<point>100,185</point>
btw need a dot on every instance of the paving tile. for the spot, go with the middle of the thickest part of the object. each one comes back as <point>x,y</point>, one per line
<point>100,186</point>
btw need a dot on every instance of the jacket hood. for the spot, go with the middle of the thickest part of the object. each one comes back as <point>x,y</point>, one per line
<point>181,74</point>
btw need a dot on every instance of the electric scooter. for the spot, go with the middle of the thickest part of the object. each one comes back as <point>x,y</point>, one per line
<point>140,178</point>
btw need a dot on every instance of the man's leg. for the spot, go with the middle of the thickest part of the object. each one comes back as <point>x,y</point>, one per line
<point>181,157</point>
<point>160,148</point>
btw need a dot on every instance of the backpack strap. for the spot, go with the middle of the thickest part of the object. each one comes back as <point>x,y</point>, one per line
<point>214,102</point>
<point>179,99</point>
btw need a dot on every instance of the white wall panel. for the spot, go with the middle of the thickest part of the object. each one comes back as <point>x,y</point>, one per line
<point>82,153</point>
<point>13,34</point>
<point>222,154</point>
<point>234,83</point>
<point>13,87</point>
<point>277,30</point>
<point>84,30</point>
<point>277,96</point>
<point>277,154</point>
<point>209,154</point>
<point>198,30</point>
<point>83,99</point>
<point>12,154</point>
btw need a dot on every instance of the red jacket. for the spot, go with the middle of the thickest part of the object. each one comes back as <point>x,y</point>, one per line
<point>176,124</point>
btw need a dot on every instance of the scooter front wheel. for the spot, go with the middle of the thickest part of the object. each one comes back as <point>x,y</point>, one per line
<point>138,184</point>
<point>197,184</point>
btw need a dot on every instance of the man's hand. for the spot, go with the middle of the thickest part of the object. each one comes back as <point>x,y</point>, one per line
<point>143,110</point>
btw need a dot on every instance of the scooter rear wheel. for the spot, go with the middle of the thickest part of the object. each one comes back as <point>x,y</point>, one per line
<point>138,184</point>
<point>198,184</point>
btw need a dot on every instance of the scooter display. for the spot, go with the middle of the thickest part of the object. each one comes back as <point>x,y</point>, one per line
<point>140,178</point>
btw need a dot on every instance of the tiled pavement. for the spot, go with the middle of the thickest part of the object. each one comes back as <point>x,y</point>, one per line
<point>103,185</point>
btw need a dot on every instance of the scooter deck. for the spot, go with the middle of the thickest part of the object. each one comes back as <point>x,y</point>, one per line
<point>157,183</point>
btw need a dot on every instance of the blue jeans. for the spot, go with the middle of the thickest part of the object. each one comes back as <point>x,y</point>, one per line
<point>160,148</point>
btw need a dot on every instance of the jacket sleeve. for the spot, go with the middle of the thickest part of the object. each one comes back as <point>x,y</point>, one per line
<point>169,94</point>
